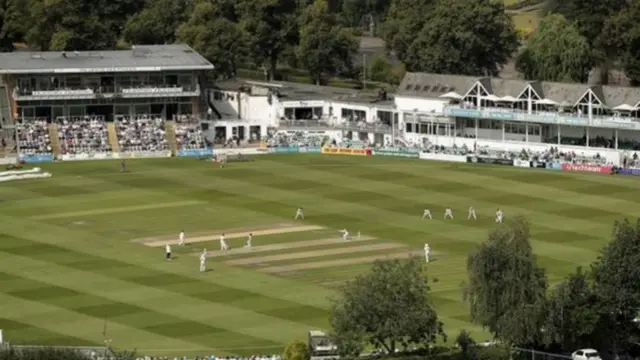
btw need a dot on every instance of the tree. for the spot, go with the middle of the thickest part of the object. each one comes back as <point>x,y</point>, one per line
<point>325,47</point>
<point>358,13</point>
<point>217,38</point>
<point>404,20</point>
<point>271,27</point>
<point>621,40</point>
<point>388,306</point>
<point>469,37</point>
<point>615,275</point>
<point>556,52</point>
<point>573,313</point>
<point>157,23</point>
<point>506,287</point>
<point>12,24</point>
<point>296,350</point>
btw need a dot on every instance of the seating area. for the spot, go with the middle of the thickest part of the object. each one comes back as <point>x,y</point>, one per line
<point>141,133</point>
<point>83,134</point>
<point>33,137</point>
<point>189,133</point>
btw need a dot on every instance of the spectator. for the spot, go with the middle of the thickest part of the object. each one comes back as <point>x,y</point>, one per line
<point>189,133</point>
<point>33,137</point>
<point>86,134</point>
<point>141,133</point>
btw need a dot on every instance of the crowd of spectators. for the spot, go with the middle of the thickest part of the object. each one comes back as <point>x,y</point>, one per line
<point>33,137</point>
<point>141,133</point>
<point>189,133</point>
<point>83,134</point>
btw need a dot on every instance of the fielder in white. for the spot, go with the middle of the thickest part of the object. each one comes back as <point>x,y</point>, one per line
<point>167,251</point>
<point>499,216</point>
<point>448,214</point>
<point>203,261</point>
<point>472,213</point>
<point>249,238</point>
<point>223,244</point>
<point>299,214</point>
<point>426,214</point>
<point>345,234</point>
<point>181,238</point>
<point>427,252</point>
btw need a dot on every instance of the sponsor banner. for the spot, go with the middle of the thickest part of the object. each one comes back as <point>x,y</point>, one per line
<point>346,151</point>
<point>602,169</point>
<point>36,158</point>
<point>236,151</point>
<point>88,156</point>
<point>521,163</point>
<point>489,160</point>
<point>143,154</point>
<point>629,171</point>
<point>398,152</point>
<point>538,165</point>
<point>310,150</point>
<point>554,166</point>
<point>443,157</point>
<point>195,152</point>
<point>284,150</point>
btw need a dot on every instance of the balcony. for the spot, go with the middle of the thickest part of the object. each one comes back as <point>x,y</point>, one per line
<point>20,94</point>
<point>553,118</point>
<point>324,125</point>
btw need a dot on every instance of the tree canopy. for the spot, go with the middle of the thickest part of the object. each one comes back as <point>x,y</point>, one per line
<point>388,307</point>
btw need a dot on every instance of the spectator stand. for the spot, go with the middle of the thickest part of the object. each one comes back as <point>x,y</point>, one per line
<point>142,135</point>
<point>33,140</point>
<point>190,139</point>
<point>83,138</point>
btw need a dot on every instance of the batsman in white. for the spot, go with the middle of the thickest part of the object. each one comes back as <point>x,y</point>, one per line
<point>427,252</point>
<point>249,238</point>
<point>223,244</point>
<point>472,213</point>
<point>299,214</point>
<point>426,214</point>
<point>448,214</point>
<point>167,251</point>
<point>203,261</point>
<point>345,234</point>
<point>499,216</point>
<point>181,238</point>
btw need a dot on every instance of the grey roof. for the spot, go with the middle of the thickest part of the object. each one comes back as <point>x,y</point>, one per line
<point>306,92</point>
<point>139,58</point>
<point>423,85</point>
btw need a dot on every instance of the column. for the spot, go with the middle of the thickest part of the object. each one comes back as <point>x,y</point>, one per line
<point>587,132</point>
<point>437,128</point>
<point>616,137</point>
<point>477,128</point>
<point>503,132</point>
<point>526,132</point>
<point>559,135</point>
<point>529,105</point>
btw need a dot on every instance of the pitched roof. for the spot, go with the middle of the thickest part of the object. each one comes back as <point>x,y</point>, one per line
<point>421,85</point>
<point>140,58</point>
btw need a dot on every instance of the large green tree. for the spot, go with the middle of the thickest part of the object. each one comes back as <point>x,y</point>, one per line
<point>358,13</point>
<point>219,39</point>
<point>325,47</point>
<point>13,26</point>
<point>506,287</point>
<point>616,274</point>
<point>470,37</point>
<point>271,26</point>
<point>157,23</point>
<point>389,307</point>
<point>556,52</point>
<point>573,313</point>
<point>620,40</point>
<point>404,20</point>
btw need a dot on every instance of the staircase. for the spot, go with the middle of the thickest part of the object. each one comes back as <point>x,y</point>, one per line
<point>55,140</point>
<point>171,136</point>
<point>113,137</point>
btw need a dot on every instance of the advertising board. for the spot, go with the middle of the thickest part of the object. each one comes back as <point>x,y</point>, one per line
<point>195,152</point>
<point>346,151</point>
<point>521,163</point>
<point>443,157</point>
<point>602,169</point>
<point>406,153</point>
<point>88,156</point>
<point>27,158</point>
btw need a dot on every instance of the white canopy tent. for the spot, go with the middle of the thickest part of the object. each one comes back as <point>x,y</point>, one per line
<point>546,101</point>
<point>625,107</point>
<point>451,95</point>
<point>508,98</point>
<point>491,97</point>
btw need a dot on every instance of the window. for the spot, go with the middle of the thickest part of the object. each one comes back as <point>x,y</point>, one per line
<point>424,129</point>
<point>409,127</point>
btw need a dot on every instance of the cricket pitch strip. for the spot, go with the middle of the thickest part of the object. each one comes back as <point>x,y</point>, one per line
<point>194,238</point>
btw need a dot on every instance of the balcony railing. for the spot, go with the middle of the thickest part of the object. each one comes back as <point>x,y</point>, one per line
<point>545,117</point>
<point>335,125</point>
<point>106,91</point>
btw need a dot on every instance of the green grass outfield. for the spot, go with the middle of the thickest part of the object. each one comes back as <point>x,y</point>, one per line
<point>67,266</point>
